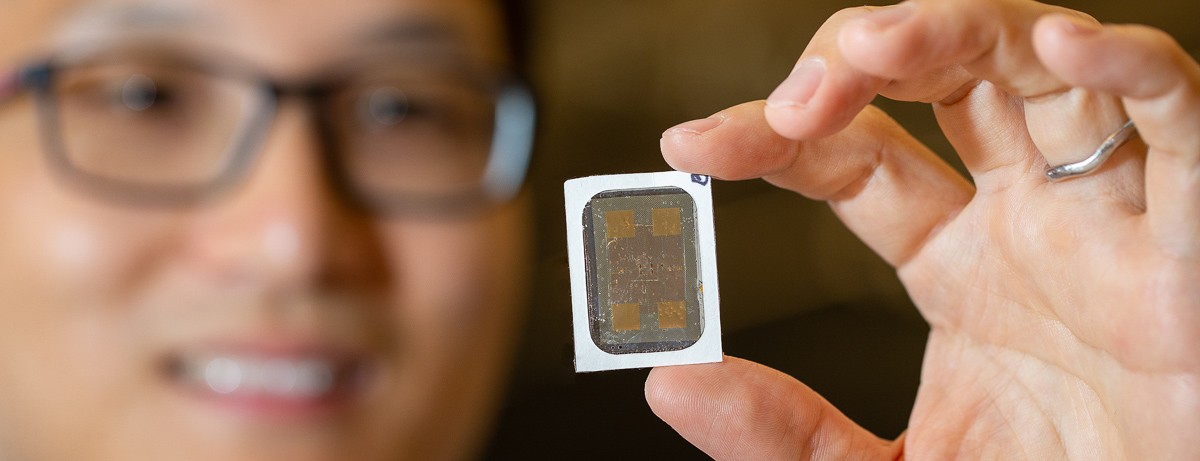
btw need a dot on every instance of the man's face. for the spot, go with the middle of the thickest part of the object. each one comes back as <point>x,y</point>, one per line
<point>277,322</point>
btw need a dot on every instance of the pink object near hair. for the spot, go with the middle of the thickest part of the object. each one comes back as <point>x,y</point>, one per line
<point>8,86</point>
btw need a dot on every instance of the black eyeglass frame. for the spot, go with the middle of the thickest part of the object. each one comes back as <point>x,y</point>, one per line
<point>508,160</point>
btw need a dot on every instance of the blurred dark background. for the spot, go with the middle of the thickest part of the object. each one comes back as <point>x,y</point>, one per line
<point>799,292</point>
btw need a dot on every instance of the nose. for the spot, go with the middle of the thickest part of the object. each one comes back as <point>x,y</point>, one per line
<point>285,226</point>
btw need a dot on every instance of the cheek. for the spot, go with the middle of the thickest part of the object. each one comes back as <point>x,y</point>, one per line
<point>442,277</point>
<point>68,356</point>
<point>56,243</point>
<point>456,289</point>
<point>67,254</point>
<point>72,255</point>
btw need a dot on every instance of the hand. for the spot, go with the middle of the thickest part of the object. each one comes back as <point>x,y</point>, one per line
<point>1065,317</point>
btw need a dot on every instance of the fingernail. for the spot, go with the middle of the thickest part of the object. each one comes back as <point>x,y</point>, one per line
<point>888,16</point>
<point>800,86</point>
<point>696,126</point>
<point>1080,27</point>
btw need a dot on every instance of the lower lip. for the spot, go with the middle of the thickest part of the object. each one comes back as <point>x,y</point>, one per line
<point>273,408</point>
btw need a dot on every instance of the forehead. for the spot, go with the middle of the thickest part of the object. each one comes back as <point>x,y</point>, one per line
<point>281,35</point>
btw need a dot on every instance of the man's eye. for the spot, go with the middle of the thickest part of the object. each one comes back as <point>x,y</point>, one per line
<point>139,93</point>
<point>385,106</point>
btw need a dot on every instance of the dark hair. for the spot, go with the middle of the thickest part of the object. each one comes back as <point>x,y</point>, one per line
<point>516,17</point>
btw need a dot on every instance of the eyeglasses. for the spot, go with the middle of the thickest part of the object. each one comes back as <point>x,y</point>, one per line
<point>419,136</point>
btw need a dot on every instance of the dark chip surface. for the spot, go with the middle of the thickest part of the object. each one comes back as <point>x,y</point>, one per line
<point>643,274</point>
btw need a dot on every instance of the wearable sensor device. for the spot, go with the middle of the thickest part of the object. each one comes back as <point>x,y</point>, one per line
<point>643,270</point>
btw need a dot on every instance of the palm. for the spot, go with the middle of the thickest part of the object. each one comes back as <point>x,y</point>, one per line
<point>1047,358</point>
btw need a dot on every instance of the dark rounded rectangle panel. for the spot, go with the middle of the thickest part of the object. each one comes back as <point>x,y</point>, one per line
<point>643,270</point>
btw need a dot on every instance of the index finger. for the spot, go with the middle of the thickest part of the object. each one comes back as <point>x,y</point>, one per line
<point>936,51</point>
<point>919,40</point>
<point>915,51</point>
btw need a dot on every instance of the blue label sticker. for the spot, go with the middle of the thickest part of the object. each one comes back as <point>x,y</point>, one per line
<point>700,179</point>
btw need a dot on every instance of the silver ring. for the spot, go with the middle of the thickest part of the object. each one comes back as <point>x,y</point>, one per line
<point>1093,162</point>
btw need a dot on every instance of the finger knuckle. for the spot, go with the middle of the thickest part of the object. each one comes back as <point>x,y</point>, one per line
<point>846,14</point>
<point>1156,38</point>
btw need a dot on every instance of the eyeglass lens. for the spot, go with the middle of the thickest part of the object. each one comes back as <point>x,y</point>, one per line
<point>397,131</point>
<point>151,124</point>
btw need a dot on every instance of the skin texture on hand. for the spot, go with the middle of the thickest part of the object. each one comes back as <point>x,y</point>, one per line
<point>1064,317</point>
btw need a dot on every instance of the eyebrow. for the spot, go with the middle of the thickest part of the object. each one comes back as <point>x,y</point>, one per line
<point>94,26</point>
<point>419,31</point>
<point>140,16</point>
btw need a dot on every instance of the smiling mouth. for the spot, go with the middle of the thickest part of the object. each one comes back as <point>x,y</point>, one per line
<point>269,383</point>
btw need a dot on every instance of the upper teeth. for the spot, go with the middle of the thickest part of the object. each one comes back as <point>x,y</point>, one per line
<point>303,378</point>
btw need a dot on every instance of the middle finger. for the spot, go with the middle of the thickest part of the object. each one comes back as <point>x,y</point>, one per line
<point>988,40</point>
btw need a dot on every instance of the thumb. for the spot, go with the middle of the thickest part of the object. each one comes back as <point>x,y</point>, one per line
<point>739,409</point>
